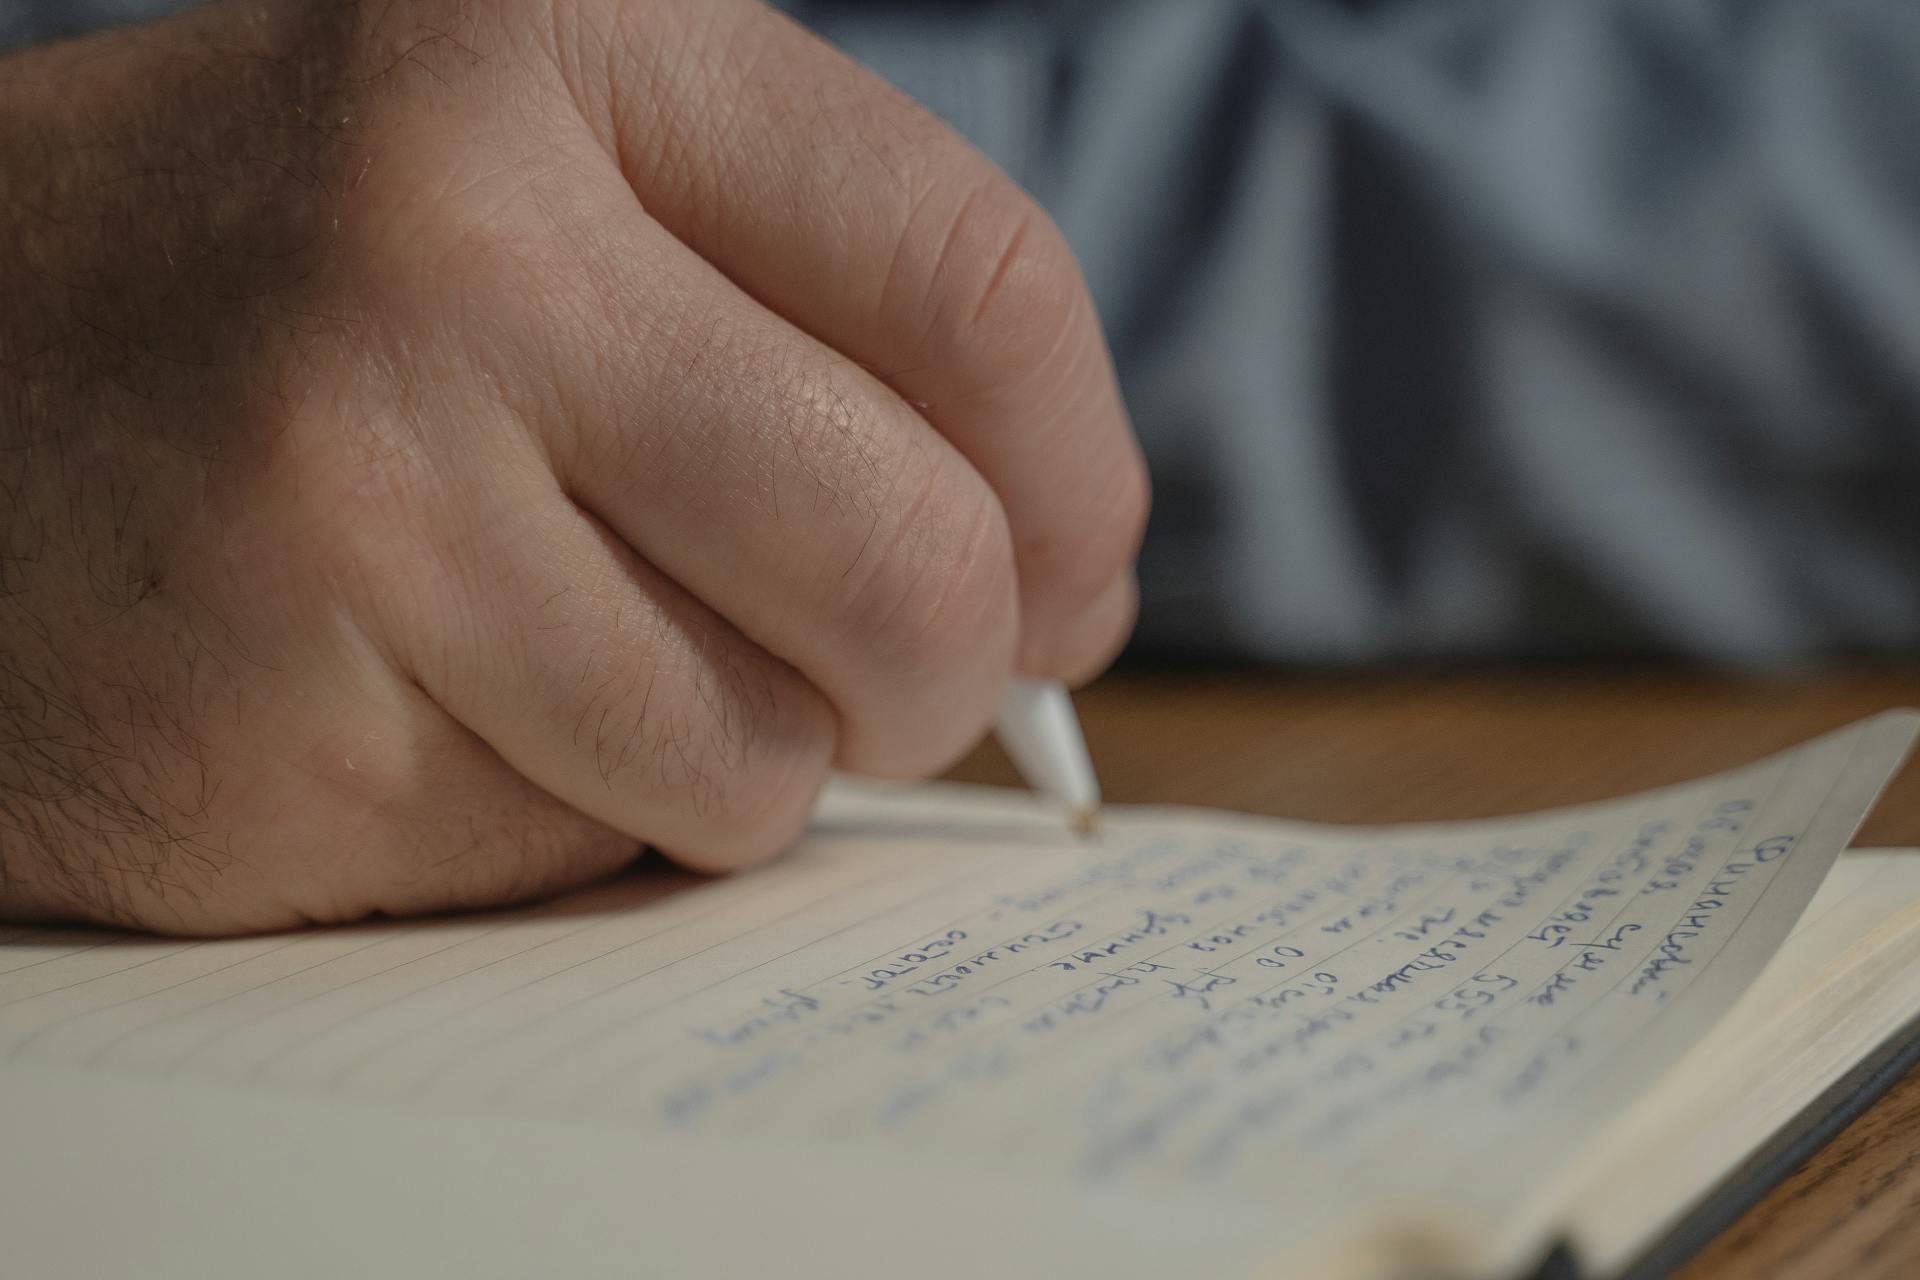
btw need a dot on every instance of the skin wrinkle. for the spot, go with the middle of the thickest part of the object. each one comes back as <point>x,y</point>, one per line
<point>622,737</point>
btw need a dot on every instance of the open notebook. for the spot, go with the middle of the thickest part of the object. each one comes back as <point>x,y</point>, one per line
<point>944,1037</point>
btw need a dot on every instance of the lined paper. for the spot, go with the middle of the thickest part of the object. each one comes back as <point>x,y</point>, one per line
<point>1338,1020</point>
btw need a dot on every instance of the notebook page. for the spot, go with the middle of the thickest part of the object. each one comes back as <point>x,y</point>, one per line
<point>1344,1023</point>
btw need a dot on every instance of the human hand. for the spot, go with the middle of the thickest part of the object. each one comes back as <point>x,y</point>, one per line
<point>446,444</point>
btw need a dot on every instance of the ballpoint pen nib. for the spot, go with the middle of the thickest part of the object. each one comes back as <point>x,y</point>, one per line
<point>1086,821</point>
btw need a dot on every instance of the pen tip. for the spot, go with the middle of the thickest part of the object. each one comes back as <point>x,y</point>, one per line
<point>1086,821</point>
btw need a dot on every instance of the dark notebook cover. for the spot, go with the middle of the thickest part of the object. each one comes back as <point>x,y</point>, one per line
<point>1766,1168</point>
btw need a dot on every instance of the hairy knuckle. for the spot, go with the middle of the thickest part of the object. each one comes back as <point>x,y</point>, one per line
<point>766,743</point>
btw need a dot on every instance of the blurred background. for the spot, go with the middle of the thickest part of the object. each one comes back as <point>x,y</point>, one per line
<point>1483,328</point>
<point>1470,329</point>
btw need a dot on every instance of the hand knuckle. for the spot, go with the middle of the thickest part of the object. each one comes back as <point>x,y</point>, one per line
<point>431,223</point>
<point>764,722</point>
<point>1015,290</point>
<point>766,750</point>
<point>941,600</point>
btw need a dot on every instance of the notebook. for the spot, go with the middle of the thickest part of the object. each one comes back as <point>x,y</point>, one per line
<point>946,1037</point>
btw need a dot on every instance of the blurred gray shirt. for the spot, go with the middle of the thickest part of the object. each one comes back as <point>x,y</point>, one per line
<point>1470,328</point>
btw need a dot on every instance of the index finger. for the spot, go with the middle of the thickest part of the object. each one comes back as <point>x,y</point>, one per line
<point>845,207</point>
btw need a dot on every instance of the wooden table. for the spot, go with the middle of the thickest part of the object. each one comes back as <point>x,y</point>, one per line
<point>1415,747</point>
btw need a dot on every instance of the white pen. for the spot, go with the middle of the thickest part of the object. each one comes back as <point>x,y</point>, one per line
<point>1040,733</point>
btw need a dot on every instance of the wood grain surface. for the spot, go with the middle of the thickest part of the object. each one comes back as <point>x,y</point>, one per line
<point>1452,745</point>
